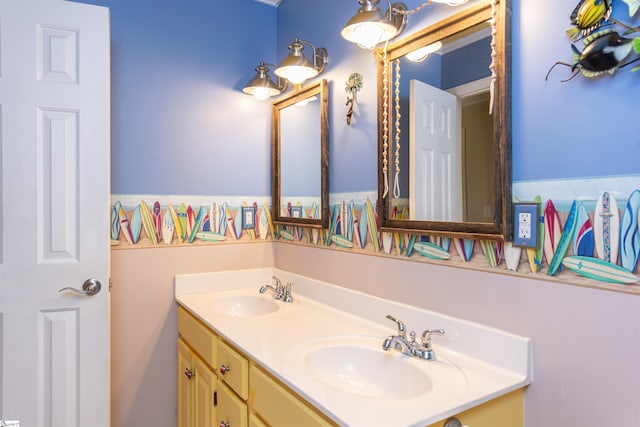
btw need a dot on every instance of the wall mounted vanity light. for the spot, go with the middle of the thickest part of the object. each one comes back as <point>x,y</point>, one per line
<point>261,86</point>
<point>297,68</point>
<point>369,26</point>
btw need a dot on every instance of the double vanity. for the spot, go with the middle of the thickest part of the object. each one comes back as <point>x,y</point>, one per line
<point>264,347</point>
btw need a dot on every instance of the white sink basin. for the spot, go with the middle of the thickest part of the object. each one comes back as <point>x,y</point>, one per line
<point>243,305</point>
<point>358,366</point>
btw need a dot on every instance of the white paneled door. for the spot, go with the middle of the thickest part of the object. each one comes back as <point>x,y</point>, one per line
<point>435,155</point>
<point>54,187</point>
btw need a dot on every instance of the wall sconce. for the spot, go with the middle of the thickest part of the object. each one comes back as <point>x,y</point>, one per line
<point>369,26</point>
<point>297,68</point>
<point>261,86</point>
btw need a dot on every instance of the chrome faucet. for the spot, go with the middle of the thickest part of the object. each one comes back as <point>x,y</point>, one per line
<point>409,346</point>
<point>280,291</point>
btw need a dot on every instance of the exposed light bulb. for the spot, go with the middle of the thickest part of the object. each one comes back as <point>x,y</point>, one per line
<point>297,74</point>
<point>261,93</point>
<point>368,34</point>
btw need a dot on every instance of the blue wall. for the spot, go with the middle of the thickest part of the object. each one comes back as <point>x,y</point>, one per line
<point>182,126</point>
<point>576,129</point>
<point>582,128</point>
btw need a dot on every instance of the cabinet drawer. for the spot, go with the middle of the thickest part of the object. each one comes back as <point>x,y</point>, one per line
<point>237,375</point>
<point>231,410</point>
<point>504,411</point>
<point>199,337</point>
<point>279,406</point>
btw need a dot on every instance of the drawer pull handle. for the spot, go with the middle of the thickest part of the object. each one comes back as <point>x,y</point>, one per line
<point>223,424</point>
<point>189,373</point>
<point>224,369</point>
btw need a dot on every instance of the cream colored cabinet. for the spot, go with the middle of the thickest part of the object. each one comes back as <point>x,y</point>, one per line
<point>196,389</point>
<point>232,411</point>
<point>185,385</point>
<point>503,411</point>
<point>233,369</point>
<point>280,407</point>
<point>219,386</point>
<point>254,421</point>
<point>203,398</point>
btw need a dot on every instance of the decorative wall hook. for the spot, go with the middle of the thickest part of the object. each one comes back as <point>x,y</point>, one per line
<point>354,84</point>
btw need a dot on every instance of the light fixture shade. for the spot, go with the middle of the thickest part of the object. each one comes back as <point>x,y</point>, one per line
<point>369,26</point>
<point>261,86</point>
<point>297,68</point>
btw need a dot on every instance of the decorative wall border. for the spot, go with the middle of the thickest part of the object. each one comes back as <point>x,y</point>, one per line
<point>353,227</point>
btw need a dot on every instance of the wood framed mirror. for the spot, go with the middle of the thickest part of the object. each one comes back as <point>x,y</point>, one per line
<point>444,162</point>
<point>300,157</point>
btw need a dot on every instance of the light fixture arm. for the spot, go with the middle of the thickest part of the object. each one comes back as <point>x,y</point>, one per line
<point>320,55</point>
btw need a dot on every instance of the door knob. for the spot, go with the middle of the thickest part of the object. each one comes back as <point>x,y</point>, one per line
<point>89,287</point>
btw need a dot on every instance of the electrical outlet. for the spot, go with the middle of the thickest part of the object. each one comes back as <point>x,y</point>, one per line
<point>525,225</point>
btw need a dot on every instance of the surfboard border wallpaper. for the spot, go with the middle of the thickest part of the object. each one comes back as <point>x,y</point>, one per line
<point>588,235</point>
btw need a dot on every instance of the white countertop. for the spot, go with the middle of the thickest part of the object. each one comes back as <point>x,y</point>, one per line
<point>485,362</point>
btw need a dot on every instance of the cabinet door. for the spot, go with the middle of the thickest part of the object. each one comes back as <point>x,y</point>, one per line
<point>204,386</point>
<point>185,385</point>
<point>232,412</point>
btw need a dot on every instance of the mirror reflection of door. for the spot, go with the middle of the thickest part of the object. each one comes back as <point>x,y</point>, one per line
<point>435,154</point>
<point>450,153</point>
<point>451,168</point>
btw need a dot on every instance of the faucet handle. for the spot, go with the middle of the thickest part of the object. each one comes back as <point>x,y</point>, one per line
<point>426,337</point>
<point>401,327</point>
<point>287,297</point>
<point>276,281</point>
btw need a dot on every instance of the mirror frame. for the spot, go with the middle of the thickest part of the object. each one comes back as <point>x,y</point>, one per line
<point>321,90</point>
<point>501,228</point>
